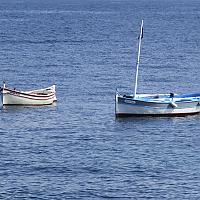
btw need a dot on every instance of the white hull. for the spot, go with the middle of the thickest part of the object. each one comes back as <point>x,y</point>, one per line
<point>36,97</point>
<point>135,107</point>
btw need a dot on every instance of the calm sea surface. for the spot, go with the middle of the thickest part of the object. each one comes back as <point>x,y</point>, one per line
<point>76,149</point>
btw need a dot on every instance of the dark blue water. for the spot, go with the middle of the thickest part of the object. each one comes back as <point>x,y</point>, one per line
<point>77,149</point>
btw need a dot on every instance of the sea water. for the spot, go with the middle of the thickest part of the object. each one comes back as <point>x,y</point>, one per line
<point>76,149</point>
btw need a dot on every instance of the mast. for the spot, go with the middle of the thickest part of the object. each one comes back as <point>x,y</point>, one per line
<point>138,57</point>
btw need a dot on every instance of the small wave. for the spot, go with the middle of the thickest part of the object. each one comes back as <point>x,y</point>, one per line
<point>105,196</point>
<point>15,20</point>
<point>49,41</point>
<point>57,12</point>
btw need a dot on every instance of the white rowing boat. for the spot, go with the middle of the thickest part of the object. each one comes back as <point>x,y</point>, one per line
<point>45,96</point>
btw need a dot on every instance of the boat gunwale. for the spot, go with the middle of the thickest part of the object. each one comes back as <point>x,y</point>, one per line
<point>161,101</point>
<point>13,92</point>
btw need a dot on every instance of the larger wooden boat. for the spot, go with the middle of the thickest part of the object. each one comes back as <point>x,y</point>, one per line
<point>44,96</point>
<point>155,104</point>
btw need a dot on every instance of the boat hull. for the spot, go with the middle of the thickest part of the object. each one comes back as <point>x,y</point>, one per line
<point>125,107</point>
<point>37,97</point>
